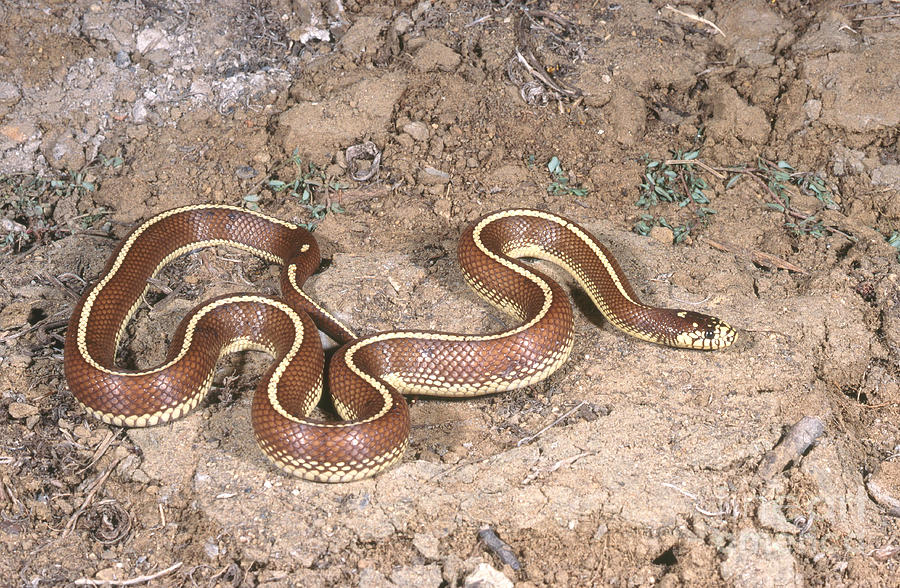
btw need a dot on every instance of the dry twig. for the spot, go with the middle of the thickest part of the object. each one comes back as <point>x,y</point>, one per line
<point>695,18</point>
<point>129,582</point>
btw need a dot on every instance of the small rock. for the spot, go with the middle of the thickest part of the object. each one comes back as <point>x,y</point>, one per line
<point>771,517</point>
<point>139,112</point>
<point>416,576</point>
<point>245,172</point>
<point>9,94</point>
<point>431,176</point>
<point>756,559</point>
<point>20,410</point>
<point>434,56</point>
<point>427,545</point>
<point>662,234</point>
<point>417,130</point>
<point>812,109</point>
<point>122,59</point>
<point>62,151</point>
<point>884,487</point>
<point>140,476</point>
<point>373,578</point>
<point>109,574</point>
<point>15,314</point>
<point>211,548</point>
<point>486,576</point>
<point>17,133</point>
<point>151,40</point>
<point>887,175</point>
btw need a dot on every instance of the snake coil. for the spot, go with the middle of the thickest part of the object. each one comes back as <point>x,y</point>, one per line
<point>368,376</point>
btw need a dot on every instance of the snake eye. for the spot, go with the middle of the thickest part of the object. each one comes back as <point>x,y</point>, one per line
<point>709,334</point>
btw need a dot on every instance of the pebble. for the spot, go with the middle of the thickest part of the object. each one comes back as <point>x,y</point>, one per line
<point>122,59</point>
<point>20,410</point>
<point>427,545</point>
<point>884,487</point>
<point>17,132</point>
<point>62,151</point>
<point>9,94</point>
<point>245,172</point>
<point>109,574</point>
<point>152,40</point>
<point>771,517</point>
<point>662,234</point>
<point>487,576</point>
<point>139,112</point>
<point>417,130</point>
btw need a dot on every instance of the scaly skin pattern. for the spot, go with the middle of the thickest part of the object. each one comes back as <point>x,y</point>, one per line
<point>368,377</point>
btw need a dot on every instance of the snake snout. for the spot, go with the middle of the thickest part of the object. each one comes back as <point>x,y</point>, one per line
<point>701,331</point>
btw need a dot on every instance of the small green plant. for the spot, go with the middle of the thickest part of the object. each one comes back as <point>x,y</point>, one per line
<point>111,162</point>
<point>894,241</point>
<point>307,180</point>
<point>560,184</point>
<point>676,180</point>
<point>680,180</point>
<point>648,221</point>
<point>779,179</point>
<point>27,203</point>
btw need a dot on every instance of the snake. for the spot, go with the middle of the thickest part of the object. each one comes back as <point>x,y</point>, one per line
<point>368,377</point>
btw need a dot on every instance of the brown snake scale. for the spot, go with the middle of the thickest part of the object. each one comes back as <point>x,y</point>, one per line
<point>367,376</point>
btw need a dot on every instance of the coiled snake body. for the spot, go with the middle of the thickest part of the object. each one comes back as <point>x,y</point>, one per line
<point>367,376</point>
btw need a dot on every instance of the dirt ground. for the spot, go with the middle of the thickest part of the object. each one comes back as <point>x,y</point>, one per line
<point>634,464</point>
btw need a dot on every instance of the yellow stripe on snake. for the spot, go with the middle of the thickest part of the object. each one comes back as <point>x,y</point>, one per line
<point>367,376</point>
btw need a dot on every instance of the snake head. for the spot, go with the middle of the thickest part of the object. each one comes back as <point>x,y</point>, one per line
<point>701,331</point>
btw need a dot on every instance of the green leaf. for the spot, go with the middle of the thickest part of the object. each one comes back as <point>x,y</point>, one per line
<point>785,165</point>
<point>553,165</point>
<point>691,154</point>
<point>277,185</point>
<point>251,198</point>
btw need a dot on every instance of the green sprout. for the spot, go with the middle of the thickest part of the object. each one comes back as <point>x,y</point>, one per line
<point>894,241</point>
<point>560,184</point>
<point>308,179</point>
<point>680,180</point>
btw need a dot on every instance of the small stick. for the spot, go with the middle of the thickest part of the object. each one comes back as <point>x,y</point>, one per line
<point>87,499</point>
<point>500,547</point>
<point>563,462</point>
<point>885,553</point>
<point>797,440</point>
<point>130,582</point>
<point>695,18</point>
<point>531,438</point>
<point>101,449</point>
<point>697,162</point>
<point>759,257</point>
<point>877,16</point>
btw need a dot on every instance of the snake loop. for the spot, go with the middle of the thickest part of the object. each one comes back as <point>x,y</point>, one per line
<point>368,376</point>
